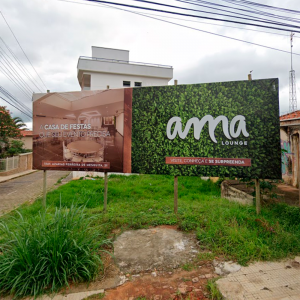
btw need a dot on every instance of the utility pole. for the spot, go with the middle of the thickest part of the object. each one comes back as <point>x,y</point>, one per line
<point>293,96</point>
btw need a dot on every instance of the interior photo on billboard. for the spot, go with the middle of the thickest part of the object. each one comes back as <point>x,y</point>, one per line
<point>79,131</point>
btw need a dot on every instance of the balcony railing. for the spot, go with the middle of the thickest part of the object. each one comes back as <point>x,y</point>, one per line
<point>123,62</point>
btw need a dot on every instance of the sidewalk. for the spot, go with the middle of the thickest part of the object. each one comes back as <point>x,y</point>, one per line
<point>20,188</point>
<point>278,280</point>
<point>6,178</point>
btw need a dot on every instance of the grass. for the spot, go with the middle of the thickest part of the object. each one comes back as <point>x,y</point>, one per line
<point>47,251</point>
<point>223,228</point>
<point>188,267</point>
<point>213,290</point>
<point>95,297</point>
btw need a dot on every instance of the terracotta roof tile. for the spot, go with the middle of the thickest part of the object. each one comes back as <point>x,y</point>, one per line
<point>26,132</point>
<point>292,115</point>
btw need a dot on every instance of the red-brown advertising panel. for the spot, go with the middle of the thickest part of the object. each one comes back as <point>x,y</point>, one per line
<point>81,131</point>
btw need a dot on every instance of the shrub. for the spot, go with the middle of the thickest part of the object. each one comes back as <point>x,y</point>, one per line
<point>45,253</point>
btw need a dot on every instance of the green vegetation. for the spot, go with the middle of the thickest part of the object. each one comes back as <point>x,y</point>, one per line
<point>9,130</point>
<point>213,290</point>
<point>15,147</point>
<point>188,267</point>
<point>95,297</point>
<point>48,250</point>
<point>76,224</point>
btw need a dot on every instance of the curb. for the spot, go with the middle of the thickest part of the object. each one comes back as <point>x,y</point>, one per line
<point>7,178</point>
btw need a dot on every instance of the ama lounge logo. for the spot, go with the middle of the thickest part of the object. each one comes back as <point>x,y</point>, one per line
<point>231,130</point>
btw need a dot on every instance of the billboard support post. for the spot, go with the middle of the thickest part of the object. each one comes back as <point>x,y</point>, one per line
<point>44,188</point>
<point>175,180</point>
<point>257,185</point>
<point>299,168</point>
<point>175,194</point>
<point>257,189</point>
<point>105,192</point>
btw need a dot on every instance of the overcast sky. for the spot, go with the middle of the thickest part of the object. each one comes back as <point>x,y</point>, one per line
<point>55,33</point>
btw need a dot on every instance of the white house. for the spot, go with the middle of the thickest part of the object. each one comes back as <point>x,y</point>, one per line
<point>111,68</point>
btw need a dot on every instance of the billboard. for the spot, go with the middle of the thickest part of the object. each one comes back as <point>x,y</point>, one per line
<point>79,131</point>
<point>213,129</point>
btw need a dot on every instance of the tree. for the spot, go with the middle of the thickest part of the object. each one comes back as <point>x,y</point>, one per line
<point>8,129</point>
<point>19,123</point>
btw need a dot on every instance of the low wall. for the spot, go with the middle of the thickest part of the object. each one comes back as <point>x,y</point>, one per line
<point>233,194</point>
<point>25,163</point>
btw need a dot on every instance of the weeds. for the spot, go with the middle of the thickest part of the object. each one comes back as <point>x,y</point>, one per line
<point>49,250</point>
<point>95,297</point>
<point>187,267</point>
<point>206,256</point>
<point>213,290</point>
<point>30,241</point>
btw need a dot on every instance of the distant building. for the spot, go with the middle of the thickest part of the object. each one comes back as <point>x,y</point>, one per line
<point>289,138</point>
<point>111,68</point>
<point>27,139</point>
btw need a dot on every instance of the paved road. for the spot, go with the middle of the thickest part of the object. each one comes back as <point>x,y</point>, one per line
<point>26,188</point>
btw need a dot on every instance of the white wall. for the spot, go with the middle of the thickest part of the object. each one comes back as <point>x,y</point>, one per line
<point>27,140</point>
<point>101,81</point>
<point>120,124</point>
<point>115,69</point>
<point>109,53</point>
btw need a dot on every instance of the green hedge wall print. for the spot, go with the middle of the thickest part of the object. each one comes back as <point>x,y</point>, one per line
<point>237,119</point>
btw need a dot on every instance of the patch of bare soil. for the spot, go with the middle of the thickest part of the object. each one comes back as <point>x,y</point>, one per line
<point>175,285</point>
<point>146,265</point>
<point>150,260</point>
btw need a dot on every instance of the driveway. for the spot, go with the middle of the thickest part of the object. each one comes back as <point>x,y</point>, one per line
<point>26,188</point>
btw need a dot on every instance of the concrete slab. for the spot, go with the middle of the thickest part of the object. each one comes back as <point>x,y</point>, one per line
<point>158,248</point>
<point>264,281</point>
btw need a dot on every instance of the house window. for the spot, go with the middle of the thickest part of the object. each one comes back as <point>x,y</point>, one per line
<point>126,83</point>
<point>137,84</point>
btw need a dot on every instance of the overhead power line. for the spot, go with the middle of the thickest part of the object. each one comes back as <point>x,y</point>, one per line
<point>291,27</point>
<point>292,11</point>
<point>185,20</point>
<point>5,72</point>
<point>10,68</point>
<point>235,14</point>
<point>192,28</point>
<point>250,10</point>
<point>20,65</point>
<point>15,100</point>
<point>23,50</point>
<point>16,107</point>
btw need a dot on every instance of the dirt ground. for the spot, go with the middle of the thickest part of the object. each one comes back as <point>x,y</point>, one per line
<point>178,284</point>
<point>186,284</point>
<point>173,279</point>
<point>160,263</point>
